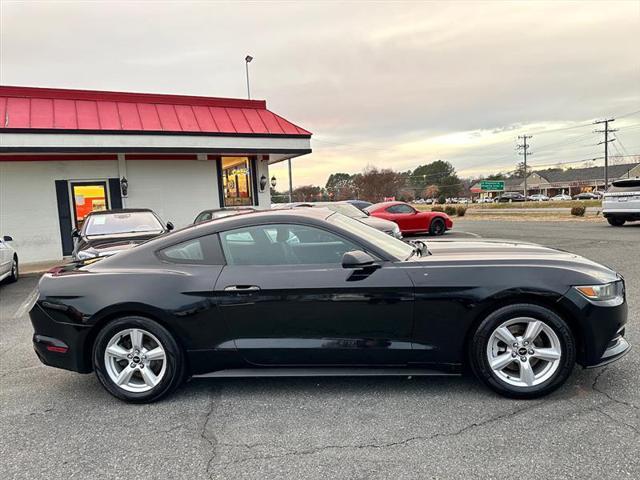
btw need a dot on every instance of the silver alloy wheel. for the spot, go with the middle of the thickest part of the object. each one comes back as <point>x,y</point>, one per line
<point>14,269</point>
<point>524,352</point>
<point>135,360</point>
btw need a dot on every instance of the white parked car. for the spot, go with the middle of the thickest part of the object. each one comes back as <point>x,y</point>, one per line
<point>621,203</point>
<point>538,197</point>
<point>561,196</point>
<point>8,260</point>
<point>485,200</point>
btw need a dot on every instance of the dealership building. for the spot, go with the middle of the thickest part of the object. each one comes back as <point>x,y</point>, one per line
<point>64,153</point>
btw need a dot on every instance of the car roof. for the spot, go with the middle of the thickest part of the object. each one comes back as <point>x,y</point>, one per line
<point>120,210</point>
<point>386,204</point>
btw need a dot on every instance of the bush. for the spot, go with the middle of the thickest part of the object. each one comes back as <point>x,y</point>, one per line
<point>437,209</point>
<point>461,211</point>
<point>442,199</point>
<point>578,210</point>
<point>450,210</point>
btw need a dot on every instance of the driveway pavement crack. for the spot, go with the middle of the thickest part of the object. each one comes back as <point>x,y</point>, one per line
<point>595,387</point>
<point>208,436</point>
<point>417,438</point>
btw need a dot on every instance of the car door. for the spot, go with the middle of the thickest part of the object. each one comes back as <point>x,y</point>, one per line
<point>405,216</point>
<point>287,300</point>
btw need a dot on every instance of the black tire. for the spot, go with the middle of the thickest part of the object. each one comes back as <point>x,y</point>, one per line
<point>175,361</point>
<point>437,227</point>
<point>480,362</point>
<point>15,271</point>
<point>615,221</point>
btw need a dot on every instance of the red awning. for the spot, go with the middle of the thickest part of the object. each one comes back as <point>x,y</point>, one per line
<point>42,109</point>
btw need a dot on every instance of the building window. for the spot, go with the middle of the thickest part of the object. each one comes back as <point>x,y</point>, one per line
<point>237,181</point>
<point>87,197</point>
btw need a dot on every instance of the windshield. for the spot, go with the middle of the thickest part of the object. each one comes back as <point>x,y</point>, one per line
<point>394,247</point>
<point>119,223</point>
<point>346,209</point>
<point>625,186</point>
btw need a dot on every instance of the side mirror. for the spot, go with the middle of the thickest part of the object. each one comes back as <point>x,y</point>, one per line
<point>7,238</point>
<point>75,233</point>
<point>367,213</point>
<point>357,259</point>
<point>170,226</point>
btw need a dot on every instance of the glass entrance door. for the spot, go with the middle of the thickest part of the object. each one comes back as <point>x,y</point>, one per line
<point>237,181</point>
<point>87,197</point>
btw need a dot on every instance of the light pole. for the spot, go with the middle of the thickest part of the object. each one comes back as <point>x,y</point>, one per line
<point>247,61</point>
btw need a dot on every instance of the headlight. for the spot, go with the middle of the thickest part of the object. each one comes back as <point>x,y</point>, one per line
<point>86,254</point>
<point>602,293</point>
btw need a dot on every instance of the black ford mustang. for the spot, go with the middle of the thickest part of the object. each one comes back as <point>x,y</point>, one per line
<point>312,292</point>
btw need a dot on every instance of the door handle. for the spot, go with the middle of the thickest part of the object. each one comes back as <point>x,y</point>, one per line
<point>241,288</point>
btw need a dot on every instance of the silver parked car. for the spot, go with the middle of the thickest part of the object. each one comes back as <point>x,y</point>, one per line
<point>8,260</point>
<point>347,209</point>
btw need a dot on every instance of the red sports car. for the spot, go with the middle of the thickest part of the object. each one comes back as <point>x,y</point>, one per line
<point>411,220</point>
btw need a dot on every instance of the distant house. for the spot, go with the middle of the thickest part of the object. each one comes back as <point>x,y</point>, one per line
<point>572,181</point>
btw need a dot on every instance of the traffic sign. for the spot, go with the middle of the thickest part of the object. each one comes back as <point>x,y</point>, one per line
<point>492,185</point>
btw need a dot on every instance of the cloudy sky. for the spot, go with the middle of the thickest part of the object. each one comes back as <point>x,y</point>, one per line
<point>378,83</point>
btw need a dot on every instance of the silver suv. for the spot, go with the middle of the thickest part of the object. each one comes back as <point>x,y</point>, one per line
<point>621,203</point>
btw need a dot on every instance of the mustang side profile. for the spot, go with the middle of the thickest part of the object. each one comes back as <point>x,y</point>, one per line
<point>313,292</point>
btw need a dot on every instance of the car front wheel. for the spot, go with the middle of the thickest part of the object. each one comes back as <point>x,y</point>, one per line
<point>523,351</point>
<point>137,360</point>
<point>615,221</point>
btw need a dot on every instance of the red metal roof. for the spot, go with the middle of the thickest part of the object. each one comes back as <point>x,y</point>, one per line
<point>29,108</point>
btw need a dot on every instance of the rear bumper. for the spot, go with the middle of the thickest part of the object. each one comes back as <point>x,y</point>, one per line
<point>60,345</point>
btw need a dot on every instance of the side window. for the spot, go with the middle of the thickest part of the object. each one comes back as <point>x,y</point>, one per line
<point>283,245</point>
<point>203,217</point>
<point>400,209</point>
<point>198,251</point>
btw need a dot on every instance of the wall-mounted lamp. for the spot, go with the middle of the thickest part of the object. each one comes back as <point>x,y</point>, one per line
<point>263,183</point>
<point>273,182</point>
<point>124,186</point>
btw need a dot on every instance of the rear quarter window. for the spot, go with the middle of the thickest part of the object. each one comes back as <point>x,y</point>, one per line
<point>204,250</point>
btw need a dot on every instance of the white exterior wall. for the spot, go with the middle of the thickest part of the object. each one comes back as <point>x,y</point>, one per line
<point>177,190</point>
<point>28,205</point>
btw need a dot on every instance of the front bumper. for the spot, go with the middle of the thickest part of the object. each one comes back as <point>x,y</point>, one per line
<point>618,348</point>
<point>600,329</point>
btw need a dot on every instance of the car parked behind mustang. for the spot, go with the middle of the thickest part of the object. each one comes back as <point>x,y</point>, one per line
<point>411,220</point>
<point>350,210</point>
<point>215,213</point>
<point>107,232</point>
<point>8,260</point>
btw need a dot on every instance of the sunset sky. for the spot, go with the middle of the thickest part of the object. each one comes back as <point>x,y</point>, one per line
<point>384,84</point>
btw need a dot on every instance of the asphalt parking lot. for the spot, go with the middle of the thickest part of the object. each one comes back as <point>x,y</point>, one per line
<point>58,424</point>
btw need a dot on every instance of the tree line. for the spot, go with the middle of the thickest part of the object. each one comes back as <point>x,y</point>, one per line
<point>433,180</point>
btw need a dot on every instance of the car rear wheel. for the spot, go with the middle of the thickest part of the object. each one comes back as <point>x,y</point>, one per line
<point>523,351</point>
<point>137,360</point>
<point>615,221</point>
<point>15,270</point>
<point>437,227</point>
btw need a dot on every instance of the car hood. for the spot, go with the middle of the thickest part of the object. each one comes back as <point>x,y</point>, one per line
<point>378,223</point>
<point>483,253</point>
<point>105,244</point>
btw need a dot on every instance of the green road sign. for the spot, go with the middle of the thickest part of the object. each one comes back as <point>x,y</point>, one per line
<point>492,185</point>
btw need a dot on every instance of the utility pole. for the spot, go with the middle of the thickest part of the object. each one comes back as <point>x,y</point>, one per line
<point>525,151</point>
<point>606,141</point>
